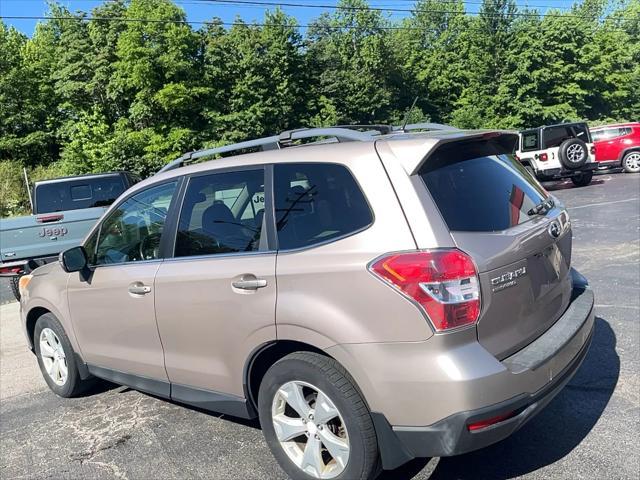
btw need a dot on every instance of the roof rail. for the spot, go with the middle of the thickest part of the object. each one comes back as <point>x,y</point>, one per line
<point>424,126</point>
<point>375,128</point>
<point>273,142</point>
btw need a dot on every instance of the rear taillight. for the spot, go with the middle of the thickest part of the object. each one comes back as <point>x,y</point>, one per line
<point>10,270</point>
<point>443,282</point>
<point>544,157</point>
<point>482,424</point>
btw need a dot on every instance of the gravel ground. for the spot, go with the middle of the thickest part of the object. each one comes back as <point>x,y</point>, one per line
<point>589,431</point>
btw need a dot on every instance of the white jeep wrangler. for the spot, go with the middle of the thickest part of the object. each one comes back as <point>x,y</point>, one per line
<point>558,151</point>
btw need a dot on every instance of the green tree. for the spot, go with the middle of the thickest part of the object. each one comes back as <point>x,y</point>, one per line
<point>350,57</point>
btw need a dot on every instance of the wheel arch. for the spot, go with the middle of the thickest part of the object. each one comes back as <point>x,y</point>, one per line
<point>30,322</point>
<point>635,148</point>
<point>261,359</point>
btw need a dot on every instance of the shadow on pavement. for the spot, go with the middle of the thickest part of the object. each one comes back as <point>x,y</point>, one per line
<point>568,184</point>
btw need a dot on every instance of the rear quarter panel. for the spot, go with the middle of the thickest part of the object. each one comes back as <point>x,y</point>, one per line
<point>326,295</point>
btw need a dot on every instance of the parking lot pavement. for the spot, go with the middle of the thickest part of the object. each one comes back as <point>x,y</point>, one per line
<point>6,295</point>
<point>589,431</point>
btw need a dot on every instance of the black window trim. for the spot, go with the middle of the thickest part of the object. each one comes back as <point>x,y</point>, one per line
<point>333,239</point>
<point>269,217</point>
<point>163,238</point>
<point>538,133</point>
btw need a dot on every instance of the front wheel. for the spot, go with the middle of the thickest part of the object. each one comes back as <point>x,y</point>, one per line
<point>631,162</point>
<point>582,179</point>
<point>315,421</point>
<point>56,358</point>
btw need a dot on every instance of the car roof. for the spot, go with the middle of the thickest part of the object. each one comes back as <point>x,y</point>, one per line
<point>614,125</point>
<point>80,177</point>
<point>410,148</point>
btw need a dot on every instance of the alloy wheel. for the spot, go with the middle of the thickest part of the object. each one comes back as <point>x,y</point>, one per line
<point>575,153</point>
<point>310,429</point>
<point>632,162</point>
<point>53,357</point>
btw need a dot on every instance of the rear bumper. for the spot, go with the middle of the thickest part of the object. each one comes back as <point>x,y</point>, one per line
<point>451,436</point>
<point>564,173</point>
<point>518,386</point>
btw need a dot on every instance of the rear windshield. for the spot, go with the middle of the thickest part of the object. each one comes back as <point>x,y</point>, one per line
<point>554,136</point>
<point>77,194</point>
<point>479,188</point>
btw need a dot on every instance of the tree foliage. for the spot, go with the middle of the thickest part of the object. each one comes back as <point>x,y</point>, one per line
<point>86,95</point>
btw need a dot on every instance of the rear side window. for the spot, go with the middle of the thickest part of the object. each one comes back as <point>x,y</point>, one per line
<point>316,203</point>
<point>610,133</point>
<point>78,194</point>
<point>479,189</point>
<point>530,141</point>
<point>222,213</point>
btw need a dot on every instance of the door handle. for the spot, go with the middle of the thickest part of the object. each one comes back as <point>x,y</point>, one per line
<point>250,284</point>
<point>138,288</point>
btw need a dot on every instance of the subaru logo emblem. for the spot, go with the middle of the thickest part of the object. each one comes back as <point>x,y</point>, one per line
<point>554,229</point>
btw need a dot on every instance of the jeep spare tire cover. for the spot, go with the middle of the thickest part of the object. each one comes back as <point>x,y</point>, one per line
<point>573,153</point>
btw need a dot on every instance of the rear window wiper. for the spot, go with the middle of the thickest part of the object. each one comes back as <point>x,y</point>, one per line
<point>542,208</point>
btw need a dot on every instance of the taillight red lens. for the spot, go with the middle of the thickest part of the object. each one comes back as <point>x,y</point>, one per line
<point>482,424</point>
<point>443,282</point>
<point>544,157</point>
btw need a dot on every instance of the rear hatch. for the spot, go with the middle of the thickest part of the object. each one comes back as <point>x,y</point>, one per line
<point>523,260</point>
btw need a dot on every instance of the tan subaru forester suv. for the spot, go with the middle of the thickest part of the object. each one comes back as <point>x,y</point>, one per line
<point>371,295</point>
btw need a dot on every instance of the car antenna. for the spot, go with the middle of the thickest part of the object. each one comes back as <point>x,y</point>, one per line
<point>408,115</point>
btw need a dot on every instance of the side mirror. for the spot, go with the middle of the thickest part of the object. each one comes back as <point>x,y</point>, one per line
<point>73,260</point>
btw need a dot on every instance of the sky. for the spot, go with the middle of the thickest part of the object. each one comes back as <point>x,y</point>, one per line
<point>204,10</point>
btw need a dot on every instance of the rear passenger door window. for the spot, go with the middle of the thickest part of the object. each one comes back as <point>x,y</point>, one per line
<point>222,213</point>
<point>316,203</point>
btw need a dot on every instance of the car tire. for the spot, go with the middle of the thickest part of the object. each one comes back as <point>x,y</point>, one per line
<point>53,346</point>
<point>582,179</point>
<point>573,153</point>
<point>14,283</point>
<point>631,162</point>
<point>344,423</point>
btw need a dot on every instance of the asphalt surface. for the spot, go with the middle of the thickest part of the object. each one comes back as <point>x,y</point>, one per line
<point>6,295</point>
<point>589,431</point>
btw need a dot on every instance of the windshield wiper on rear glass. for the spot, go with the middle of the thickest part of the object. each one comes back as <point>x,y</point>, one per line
<point>542,208</point>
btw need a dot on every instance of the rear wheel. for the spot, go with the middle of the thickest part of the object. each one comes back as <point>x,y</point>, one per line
<point>56,358</point>
<point>582,179</point>
<point>631,162</point>
<point>315,421</point>
<point>14,284</point>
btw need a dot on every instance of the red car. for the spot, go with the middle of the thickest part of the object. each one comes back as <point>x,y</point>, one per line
<point>618,145</point>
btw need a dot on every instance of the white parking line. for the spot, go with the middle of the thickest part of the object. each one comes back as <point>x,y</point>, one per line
<point>635,199</point>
